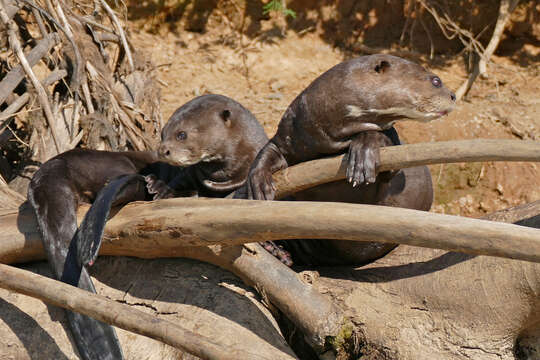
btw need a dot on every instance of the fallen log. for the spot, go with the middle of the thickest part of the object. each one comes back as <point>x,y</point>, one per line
<point>160,228</point>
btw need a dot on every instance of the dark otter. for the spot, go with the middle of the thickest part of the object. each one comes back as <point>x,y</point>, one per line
<point>211,139</point>
<point>55,192</point>
<point>76,176</point>
<point>341,111</point>
<point>352,107</point>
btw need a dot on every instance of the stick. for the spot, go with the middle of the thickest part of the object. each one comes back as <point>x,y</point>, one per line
<point>125,317</point>
<point>11,109</point>
<point>121,32</point>
<point>15,75</point>
<point>316,172</point>
<point>480,67</point>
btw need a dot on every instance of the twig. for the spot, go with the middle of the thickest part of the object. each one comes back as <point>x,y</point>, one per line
<point>118,26</point>
<point>75,79</point>
<point>87,97</point>
<point>54,77</point>
<point>128,318</point>
<point>12,109</point>
<point>62,17</point>
<point>39,21</point>
<point>480,67</point>
<point>16,45</point>
<point>17,137</point>
<point>16,75</point>
<point>89,21</point>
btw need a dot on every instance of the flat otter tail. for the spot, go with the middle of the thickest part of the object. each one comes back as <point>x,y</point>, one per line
<point>55,204</point>
<point>95,340</point>
<point>88,237</point>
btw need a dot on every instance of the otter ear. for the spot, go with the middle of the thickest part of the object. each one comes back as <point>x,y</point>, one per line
<point>382,66</point>
<point>226,116</point>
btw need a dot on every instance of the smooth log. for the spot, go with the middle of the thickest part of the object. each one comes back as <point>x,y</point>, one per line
<point>247,346</point>
<point>157,229</point>
<point>316,172</point>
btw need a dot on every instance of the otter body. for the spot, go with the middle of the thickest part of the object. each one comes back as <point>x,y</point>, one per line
<point>342,110</point>
<point>352,108</point>
<point>112,178</point>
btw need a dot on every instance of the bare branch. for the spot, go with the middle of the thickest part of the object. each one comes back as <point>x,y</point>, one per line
<point>128,318</point>
<point>118,26</point>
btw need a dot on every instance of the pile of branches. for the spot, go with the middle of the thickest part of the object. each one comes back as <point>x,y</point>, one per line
<point>69,77</point>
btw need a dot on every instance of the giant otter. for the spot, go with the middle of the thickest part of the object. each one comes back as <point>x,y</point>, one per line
<point>351,108</point>
<point>342,110</point>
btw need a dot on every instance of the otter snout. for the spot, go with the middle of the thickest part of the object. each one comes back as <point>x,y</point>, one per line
<point>452,96</point>
<point>164,151</point>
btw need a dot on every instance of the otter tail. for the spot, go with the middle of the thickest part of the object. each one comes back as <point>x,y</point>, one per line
<point>88,237</point>
<point>55,205</point>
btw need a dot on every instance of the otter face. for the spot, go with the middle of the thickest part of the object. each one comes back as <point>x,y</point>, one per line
<point>398,90</point>
<point>196,132</point>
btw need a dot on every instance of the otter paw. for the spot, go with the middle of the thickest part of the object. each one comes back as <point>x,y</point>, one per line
<point>281,254</point>
<point>363,158</point>
<point>158,188</point>
<point>260,186</point>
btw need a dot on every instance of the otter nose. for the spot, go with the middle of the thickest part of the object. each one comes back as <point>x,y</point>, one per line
<point>164,151</point>
<point>453,96</point>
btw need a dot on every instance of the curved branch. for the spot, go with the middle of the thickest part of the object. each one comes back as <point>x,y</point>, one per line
<point>125,317</point>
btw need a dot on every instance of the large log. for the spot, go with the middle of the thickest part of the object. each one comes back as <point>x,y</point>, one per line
<point>164,228</point>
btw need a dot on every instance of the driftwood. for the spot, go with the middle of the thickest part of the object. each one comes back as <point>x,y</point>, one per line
<point>316,172</point>
<point>59,294</point>
<point>159,228</point>
<point>200,297</point>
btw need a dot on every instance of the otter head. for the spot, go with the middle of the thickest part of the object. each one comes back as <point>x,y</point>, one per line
<point>389,88</point>
<point>198,131</point>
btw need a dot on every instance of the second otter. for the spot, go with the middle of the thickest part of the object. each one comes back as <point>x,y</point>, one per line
<point>345,108</point>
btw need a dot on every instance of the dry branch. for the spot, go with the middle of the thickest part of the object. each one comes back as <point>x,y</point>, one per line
<point>125,317</point>
<point>312,173</point>
<point>16,75</point>
<point>159,228</point>
<point>118,26</point>
<point>480,67</point>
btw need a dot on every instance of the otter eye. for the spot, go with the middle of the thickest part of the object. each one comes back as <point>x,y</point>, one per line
<point>225,114</point>
<point>436,81</point>
<point>181,135</point>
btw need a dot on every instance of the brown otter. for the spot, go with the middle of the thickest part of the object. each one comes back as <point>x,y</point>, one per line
<point>76,176</point>
<point>211,141</point>
<point>352,107</point>
<point>340,110</point>
<point>55,192</point>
